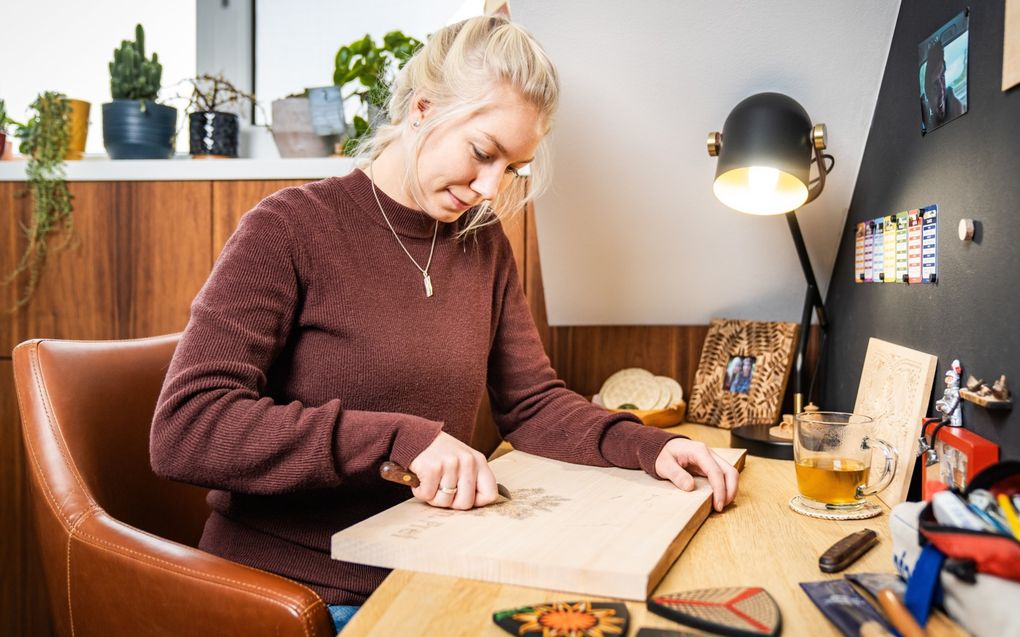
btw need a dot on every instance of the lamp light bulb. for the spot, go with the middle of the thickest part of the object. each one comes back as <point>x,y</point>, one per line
<point>762,180</point>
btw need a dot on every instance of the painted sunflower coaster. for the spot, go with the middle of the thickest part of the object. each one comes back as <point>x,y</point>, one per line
<point>565,619</point>
<point>736,611</point>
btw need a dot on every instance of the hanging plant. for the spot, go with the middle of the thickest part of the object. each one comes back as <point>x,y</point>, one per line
<point>44,140</point>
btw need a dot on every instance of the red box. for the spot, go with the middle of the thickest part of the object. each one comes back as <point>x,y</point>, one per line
<point>961,455</point>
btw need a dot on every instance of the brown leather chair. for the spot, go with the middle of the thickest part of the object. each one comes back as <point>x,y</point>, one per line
<point>117,542</point>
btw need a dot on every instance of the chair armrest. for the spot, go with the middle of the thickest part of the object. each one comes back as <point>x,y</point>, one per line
<point>161,587</point>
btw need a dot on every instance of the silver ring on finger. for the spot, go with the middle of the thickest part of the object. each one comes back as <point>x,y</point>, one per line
<point>448,490</point>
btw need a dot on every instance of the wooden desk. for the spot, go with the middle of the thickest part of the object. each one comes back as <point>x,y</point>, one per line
<point>757,541</point>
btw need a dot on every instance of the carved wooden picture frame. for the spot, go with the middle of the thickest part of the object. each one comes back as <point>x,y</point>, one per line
<point>742,375</point>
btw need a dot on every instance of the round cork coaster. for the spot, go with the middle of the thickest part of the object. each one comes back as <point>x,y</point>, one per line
<point>802,505</point>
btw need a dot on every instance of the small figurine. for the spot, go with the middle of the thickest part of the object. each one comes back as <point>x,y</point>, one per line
<point>949,404</point>
<point>999,389</point>
<point>995,397</point>
<point>784,430</point>
<point>975,384</point>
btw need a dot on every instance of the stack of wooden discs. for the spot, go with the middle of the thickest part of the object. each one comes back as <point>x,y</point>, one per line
<point>656,400</point>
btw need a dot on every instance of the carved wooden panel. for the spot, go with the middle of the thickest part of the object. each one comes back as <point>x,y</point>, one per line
<point>895,389</point>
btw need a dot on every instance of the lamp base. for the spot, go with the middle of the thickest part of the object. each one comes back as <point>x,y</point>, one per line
<point>758,442</point>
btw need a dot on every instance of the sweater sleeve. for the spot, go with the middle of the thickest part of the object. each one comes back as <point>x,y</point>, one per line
<point>214,427</point>
<point>535,411</point>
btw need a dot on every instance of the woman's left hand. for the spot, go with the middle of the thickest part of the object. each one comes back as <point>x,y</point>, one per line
<point>681,459</point>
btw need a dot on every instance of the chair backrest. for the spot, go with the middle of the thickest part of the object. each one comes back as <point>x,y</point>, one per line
<point>87,406</point>
<point>110,533</point>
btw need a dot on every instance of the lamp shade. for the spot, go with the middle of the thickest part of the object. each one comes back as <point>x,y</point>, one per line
<point>765,156</point>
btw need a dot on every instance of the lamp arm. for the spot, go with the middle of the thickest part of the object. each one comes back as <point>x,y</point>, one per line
<point>812,300</point>
<point>820,185</point>
<point>814,296</point>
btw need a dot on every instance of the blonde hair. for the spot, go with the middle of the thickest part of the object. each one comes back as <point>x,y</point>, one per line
<point>455,73</point>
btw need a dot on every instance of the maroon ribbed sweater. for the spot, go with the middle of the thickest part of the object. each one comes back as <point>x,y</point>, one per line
<point>313,355</point>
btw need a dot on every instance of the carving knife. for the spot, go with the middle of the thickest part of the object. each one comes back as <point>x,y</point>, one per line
<point>395,473</point>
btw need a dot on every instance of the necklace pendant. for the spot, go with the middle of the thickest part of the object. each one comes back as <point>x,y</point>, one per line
<point>428,284</point>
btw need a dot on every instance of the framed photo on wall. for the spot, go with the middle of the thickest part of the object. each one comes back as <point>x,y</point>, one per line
<point>743,372</point>
<point>942,73</point>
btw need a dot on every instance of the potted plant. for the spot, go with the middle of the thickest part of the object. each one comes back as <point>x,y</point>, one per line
<point>370,67</point>
<point>309,124</point>
<point>44,141</point>
<point>77,122</point>
<point>5,123</point>
<point>214,132</point>
<point>78,128</point>
<point>134,125</point>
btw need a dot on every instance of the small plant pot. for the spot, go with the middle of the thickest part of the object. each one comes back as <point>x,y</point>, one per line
<point>3,143</point>
<point>129,132</point>
<point>293,131</point>
<point>213,134</point>
<point>79,129</point>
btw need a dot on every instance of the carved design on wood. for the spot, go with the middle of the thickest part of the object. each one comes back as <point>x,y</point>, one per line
<point>894,390</point>
<point>525,504</point>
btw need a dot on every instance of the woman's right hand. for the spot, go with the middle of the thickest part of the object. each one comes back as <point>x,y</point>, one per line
<point>453,475</point>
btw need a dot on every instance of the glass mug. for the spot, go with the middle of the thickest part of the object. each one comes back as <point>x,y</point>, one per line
<point>832,454</point>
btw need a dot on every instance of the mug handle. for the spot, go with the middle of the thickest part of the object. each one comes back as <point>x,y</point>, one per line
<point>888,470</point>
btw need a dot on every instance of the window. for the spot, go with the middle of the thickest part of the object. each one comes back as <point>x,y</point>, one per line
<point>56,45</point>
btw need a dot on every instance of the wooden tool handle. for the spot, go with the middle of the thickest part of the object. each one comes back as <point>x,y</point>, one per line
<point>395,473</point>
<point>898,615</point>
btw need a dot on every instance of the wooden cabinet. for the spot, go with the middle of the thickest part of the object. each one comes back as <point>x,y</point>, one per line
<point>141,251</point>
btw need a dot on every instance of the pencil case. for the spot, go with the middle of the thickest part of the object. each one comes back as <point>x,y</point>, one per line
<point>980,550</point>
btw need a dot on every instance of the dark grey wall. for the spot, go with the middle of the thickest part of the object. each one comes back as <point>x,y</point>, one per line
<point>971,168</point>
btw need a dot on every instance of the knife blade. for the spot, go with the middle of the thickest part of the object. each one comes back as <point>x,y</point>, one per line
<point>395,473</point>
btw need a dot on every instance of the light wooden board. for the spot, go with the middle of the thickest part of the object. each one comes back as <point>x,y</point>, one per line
<point>756,541</point>
<point>894,390</point>
<point>591,530</point>
<point>1011,45</point>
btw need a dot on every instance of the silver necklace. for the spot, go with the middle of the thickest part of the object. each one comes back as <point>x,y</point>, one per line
<point>424,271</point>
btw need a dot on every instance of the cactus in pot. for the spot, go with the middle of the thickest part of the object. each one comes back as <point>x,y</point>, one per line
<point>134,125</point>
<point>132,76</point>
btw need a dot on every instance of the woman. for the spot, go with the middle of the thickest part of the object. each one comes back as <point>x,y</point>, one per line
<point>359,319</point>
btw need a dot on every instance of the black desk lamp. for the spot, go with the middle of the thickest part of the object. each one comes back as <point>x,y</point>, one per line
<point>765,154</point>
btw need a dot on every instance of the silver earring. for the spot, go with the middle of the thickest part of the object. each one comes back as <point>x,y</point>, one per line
<point>416,124</point>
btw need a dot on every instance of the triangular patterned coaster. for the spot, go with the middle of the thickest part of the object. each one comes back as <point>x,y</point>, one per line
<point>736,611</point>
<point>565,619</point>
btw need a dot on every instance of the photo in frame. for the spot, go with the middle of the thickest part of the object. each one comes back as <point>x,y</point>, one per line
<point>942,73</point>
<point>742,375</point>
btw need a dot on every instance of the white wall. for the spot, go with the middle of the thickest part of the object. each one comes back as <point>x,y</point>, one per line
<point>296,41</point>
<point>630,232</point>
<point>63,45</point>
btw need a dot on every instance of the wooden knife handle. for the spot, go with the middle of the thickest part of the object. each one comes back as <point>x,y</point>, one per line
<point>898,615</point>
<point>395,473</point>
<point>845,552</point>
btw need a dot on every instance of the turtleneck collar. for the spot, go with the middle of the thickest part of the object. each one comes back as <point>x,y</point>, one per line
<point>407,222</point>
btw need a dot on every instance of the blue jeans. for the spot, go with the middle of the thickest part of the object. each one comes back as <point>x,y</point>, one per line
<point>341,614</point>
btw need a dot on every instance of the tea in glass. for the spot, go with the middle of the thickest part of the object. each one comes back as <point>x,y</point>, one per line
<point>832,456</point>
<point>831,480</point>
